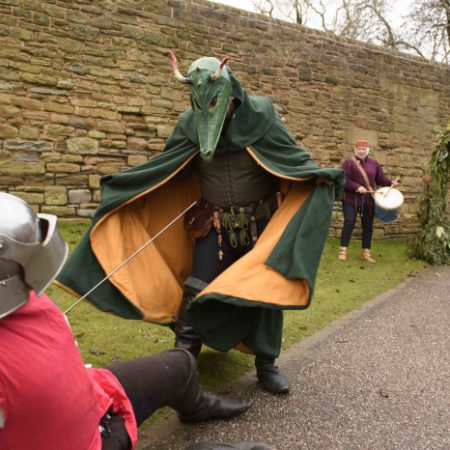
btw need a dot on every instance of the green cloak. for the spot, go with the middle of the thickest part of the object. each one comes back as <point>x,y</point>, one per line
<point>279,273</point>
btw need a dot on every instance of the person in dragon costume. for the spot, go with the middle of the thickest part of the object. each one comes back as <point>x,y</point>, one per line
<point>248,249</point>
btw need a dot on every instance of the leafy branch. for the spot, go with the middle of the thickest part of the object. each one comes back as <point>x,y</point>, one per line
<point>432,241</point>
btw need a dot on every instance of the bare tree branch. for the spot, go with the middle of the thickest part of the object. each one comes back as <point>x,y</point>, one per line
<point>424,31</point>
<point>260,7</point>
<point>391,40</point>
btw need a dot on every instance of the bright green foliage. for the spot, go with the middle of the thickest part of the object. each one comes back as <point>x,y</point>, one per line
<point>432,241</point>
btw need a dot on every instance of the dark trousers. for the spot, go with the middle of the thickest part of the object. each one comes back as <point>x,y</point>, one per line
<point>150,383</point>
<point>350,212</point>
<point>206,263</point>
<point>265,337</point>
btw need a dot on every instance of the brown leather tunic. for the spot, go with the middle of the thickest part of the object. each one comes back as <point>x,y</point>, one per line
<point>233,178</point>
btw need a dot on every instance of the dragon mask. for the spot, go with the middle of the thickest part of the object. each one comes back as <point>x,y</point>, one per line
<point>209,80</point>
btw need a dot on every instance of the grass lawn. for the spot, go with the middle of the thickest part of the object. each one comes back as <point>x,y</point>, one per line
<point>340,288</point>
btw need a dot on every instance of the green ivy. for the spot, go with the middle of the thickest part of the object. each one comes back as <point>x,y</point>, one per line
<point>432,241</point>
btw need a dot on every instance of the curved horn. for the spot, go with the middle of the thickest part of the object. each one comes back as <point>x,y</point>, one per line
<point>176,72</point>
<point>219,70</point>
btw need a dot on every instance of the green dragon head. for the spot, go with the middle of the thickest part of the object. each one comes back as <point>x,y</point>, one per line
<point>211,88</point>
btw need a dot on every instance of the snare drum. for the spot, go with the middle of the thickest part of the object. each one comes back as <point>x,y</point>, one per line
<point>388,201</point>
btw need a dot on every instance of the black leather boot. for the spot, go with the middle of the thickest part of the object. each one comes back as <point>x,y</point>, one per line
<point>186,337</point>
<point>193,404</point>
<point>270,376</point>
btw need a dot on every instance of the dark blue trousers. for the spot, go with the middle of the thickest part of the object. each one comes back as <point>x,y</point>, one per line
<point>350,212</point>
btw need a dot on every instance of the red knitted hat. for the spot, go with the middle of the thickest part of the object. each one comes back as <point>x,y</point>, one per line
<point>361,143</point>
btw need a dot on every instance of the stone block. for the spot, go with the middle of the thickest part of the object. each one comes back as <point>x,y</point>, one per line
<point>33,198</point>
<point>106,170</point>
<point>62,108</point>
<point>95,134</point>
<point>31,188</point>
<point>128,109</point>
<point>137,78</point>
<point>147,133</point>
<point>50,156</point>
<point>104,73</point>
<point>27,132</point>
<point>6,182</point>
<point>72,158</point>
<point>132,32</point>
<point>164,131</point>
<point>21,168</point>
<point>26,156</point>
<point>118,144</point>
<point>55,195</point>
<point>161,103</point>
<point>155,146</point>
<point>34,146</point>
<point>136,143</point>
<point>136,101</point>
<point>105,114</point>
<point>378,233</point>
<point>94,181</point>
<point>39,78</point>
<point>85,33</point>
<point>58,130</point>
<point>354,133</point>
<point>77,196</point>
<point>9,111</point>
<point>82,146</point>
<point>73,180</point>
<point>110,126</point>
<point>86,212</point>
<point>78,122</point>
<point>7,131</point>
<point>60,211</point>
<point>63,168</point>
<point>27,103</point>
<point>135,160</point>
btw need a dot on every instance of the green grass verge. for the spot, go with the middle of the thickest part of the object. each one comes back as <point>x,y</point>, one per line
<point>340,288</point>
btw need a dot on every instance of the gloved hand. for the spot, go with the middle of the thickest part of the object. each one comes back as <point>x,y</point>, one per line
<point>235,446</point>
<point>361,190</point>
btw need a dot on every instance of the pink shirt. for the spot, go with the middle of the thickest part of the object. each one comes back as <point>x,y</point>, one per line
<point>49,399</point>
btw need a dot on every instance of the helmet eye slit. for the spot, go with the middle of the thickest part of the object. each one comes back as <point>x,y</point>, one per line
<point>44,228</point>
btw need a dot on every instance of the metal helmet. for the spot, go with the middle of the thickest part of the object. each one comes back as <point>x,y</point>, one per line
<point>211,90</point>
<point>32,252</point>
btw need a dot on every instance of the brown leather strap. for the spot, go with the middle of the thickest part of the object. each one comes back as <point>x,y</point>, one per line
<point>363,173</point>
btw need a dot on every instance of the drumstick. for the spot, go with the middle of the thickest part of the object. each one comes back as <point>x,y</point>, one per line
<point>390,187</point>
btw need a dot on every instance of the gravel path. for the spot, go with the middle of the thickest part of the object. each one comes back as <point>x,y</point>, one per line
<point>377,379</point>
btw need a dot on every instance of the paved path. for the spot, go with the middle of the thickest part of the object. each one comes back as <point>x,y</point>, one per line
<point>377,379</point>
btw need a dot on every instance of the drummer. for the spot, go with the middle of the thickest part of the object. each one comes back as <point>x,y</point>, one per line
<point>362,175</point>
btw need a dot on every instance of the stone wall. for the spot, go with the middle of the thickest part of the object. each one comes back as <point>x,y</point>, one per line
<point>86,89</point>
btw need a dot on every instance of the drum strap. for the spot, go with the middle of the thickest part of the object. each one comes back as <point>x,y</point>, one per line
<point>363,173</point>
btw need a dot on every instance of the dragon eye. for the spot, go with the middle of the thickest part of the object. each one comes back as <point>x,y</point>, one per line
<point>213,102</point>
